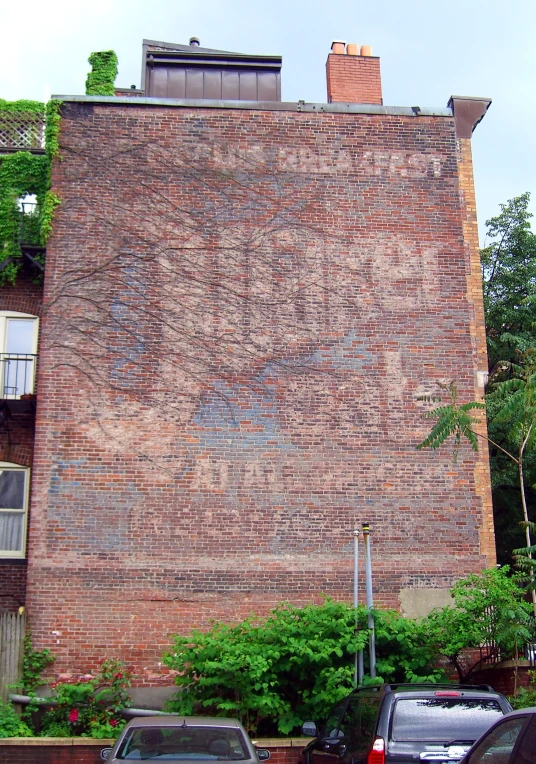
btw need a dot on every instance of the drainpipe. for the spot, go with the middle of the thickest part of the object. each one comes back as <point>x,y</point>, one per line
<point>368,580</point>
<point>358,660</point>
<point>25,699</point>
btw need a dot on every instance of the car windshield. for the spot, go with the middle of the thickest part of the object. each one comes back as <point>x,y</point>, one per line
<point>192,743</point>
<point>443,719</point>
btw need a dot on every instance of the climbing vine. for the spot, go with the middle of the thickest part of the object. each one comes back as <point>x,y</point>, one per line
<point>24,173</point>
<point>52,128</point>
<point>101,78</point>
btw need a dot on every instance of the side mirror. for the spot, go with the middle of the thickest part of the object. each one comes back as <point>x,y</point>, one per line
<point>309,729</point>
<point>263,754</point>
<point>105,754</point>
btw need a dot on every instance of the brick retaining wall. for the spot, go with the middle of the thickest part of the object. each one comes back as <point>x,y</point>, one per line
<point>84,751</point>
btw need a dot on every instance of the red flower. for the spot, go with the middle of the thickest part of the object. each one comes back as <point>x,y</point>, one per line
<point>73,715</point>
<point>113,722</point>
<point>119,675</point>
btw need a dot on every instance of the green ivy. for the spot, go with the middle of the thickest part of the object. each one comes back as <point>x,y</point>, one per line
<point>33,107</point>
<point>50,202</point>
<point>100,80</point>
<point>52,128</point>
<point>23,173</point>
<point>33,665</point>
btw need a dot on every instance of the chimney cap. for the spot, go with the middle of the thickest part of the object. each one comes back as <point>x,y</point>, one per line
<point>194,41</point>
<point>338,42</point>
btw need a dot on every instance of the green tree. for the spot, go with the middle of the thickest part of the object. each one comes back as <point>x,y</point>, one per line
<point>509,282</point>
<point>489,614</point>
<point>516,410</point>
<point>509,285</point>
<point>515,401</point>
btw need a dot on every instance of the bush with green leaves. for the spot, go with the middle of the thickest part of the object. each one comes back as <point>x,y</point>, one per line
<point>11,725</point>
<point>276,673</point>
<point>91,706</point>
<point>489,609</point>
<point>525,697</point>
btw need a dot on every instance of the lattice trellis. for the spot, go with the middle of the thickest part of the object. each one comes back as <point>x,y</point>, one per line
<point>22,130</point>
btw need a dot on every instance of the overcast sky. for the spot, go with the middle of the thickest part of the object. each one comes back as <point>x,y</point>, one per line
<point>429,51</point>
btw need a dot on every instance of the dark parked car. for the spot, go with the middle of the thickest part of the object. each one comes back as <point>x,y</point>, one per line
<point>184,738</point>
<point>402,723</point>
<point>512,740</point>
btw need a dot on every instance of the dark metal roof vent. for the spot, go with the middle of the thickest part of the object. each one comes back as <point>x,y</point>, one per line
<point>194,41</point>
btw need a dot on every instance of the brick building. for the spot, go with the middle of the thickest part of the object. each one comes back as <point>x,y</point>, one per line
<point>244,300</point>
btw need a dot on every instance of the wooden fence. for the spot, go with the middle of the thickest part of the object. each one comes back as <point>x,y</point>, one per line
<point>12,630</point>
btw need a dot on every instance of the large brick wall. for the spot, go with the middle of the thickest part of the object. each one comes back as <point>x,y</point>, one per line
<point>242,310</point>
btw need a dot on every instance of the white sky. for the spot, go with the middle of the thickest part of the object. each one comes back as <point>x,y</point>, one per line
<point>429,50</point>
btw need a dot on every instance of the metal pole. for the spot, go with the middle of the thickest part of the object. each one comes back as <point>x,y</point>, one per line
<point>368,581</point>
<point>358,658</point>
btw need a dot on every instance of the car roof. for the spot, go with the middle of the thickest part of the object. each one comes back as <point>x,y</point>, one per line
<point>428,688</point>
<point>174,720</point>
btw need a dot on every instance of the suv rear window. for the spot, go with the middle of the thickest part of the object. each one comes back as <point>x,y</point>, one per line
<point>442,719</point>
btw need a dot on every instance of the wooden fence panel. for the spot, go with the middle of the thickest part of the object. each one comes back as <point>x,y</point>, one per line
<point>12,630</point>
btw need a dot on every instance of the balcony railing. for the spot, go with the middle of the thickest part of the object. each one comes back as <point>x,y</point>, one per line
<point>17,375</point>
<point>29,224</point>
<point>490,652</point>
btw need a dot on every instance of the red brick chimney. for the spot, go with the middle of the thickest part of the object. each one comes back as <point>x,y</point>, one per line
<point>353,75</point>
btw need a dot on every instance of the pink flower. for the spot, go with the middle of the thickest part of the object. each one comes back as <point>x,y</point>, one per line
<point>73,715</point>
<point>113,722</point>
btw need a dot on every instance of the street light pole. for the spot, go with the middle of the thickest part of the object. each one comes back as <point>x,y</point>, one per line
<point>368,581</point>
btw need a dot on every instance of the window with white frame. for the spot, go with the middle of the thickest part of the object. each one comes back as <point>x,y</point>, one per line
<point>14,491</point>
<point>18,351</point>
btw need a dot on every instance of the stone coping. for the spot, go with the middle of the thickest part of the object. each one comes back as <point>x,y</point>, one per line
<point>48,741</point>
<point>272,742</point>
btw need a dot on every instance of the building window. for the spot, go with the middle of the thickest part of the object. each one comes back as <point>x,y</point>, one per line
<point>18,352</point>
<point>14,489</point>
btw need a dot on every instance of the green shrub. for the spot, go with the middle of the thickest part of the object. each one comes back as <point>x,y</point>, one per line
<point>10,723</point>
<point>91,706</point>
<point>293,666</point>
<point>525,697</point>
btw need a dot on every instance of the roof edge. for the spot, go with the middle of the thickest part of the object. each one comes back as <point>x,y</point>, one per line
<point>299,106</point>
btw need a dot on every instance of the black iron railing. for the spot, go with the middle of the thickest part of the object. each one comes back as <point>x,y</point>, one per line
<point>491,653</point>
<point>17,375</point>
<point>29,224</point>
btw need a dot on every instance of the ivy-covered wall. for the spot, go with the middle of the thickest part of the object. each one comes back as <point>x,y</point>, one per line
<point>25,173</point>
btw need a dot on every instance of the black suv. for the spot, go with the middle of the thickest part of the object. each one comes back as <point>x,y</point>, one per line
<point>404,723</point>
